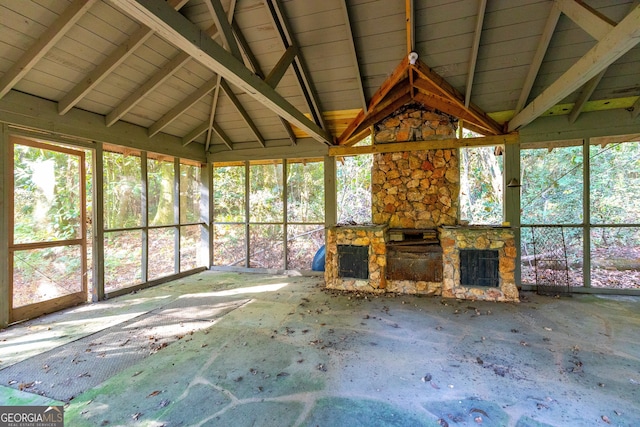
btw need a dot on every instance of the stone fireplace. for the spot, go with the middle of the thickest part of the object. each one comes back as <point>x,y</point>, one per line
<point>414,244</point>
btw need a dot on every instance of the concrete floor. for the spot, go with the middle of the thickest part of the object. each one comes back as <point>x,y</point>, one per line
<point>231,349</point>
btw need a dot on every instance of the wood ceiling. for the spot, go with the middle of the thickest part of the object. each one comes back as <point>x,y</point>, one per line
<point>230,75</point>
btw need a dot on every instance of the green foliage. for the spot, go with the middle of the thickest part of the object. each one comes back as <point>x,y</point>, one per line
<point>353,184</point>
<point>481,182</point>
<point>46,195</point>
<point>228,193</point>
<point>122,191</point>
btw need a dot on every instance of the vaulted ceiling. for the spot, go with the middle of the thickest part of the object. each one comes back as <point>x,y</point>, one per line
<point>242,74</point>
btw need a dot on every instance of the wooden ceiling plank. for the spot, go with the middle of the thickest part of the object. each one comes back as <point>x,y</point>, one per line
<point>541,50</point>
<point>183,34</point>
<point>480,117</point>
<point>354,54</point>
<point>587,18</point>
<point>245,116</point>
<point>117,57</point>
<point>299,65</point>
<point>482,5</point>
<point>183,106</point>
<point>585,94</point>
<point>222,22</point>
<point>45,42</point>
<point>276,74</point>
<point>616,43</point>
<point>147,87</point>
<point>162,75</point>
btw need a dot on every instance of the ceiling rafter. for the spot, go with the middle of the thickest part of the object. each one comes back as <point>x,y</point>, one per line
<point>45,42</point>
<point>396,76</point>
<point>409,8</point>
<point>589,19</point>
<point>591,85</point>
<point>475,47</point>
<point>183,34</point>
<point>481,118</point>
<point>299,67</point>
<point>111,62</point>
<point>222,22</point>
<point>277,72</point>
<point>255,66</point>
<point>183,106</point>
<point>616,43</point>
<point>541,50</point>
<point>354,54</point>
<point>245,116</point>
<point>220,19</point>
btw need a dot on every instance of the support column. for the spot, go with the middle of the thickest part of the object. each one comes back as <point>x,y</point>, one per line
<point>330,192</point>
<point>5,294</point>
<point>586,213</point>
<point>205,256</point>
<point>97,291</point>
<point>512,198</point>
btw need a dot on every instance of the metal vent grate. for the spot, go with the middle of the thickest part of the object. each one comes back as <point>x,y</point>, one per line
<point>479,268</point>
<point>353,261</point>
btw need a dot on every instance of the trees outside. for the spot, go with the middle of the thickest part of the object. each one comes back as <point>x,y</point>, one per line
<point>552,194</point>
<point>481,185</point>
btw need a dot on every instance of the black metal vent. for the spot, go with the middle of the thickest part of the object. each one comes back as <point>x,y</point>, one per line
<point>353,261</point>
<point>479,268</point>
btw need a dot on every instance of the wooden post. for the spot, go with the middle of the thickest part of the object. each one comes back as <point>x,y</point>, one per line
<point>586,213</point>
<point>206,216</point>
<point>97,291</point>
<point>5,296</point>
<point>330,194</point>
<point>511,197</point>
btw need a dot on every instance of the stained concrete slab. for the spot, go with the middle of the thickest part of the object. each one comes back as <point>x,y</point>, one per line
<point>290,352</point>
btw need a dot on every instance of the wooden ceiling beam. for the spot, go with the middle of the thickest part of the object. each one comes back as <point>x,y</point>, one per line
<point>45,42</point>
<point>255,66</point>
<point>354,55</point>
<point>589,19</point>
<point>394,147</point>
<point>220,16</point>
<point>223,136</point>
<point>183,106</point>
<point>398,75</point>
<point>585,94</point>
<point>482,5</point>
<point>224,27</point>
<point>245,116</point>
<point>410,15</point>
<point>281,23</point>
<point>277,72</point>
<point>396,100</point>
<point>616,43</point>
<point>179,31</point>
<point>480,117</point>
<point>195,133</point>
<point>541,50</point>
